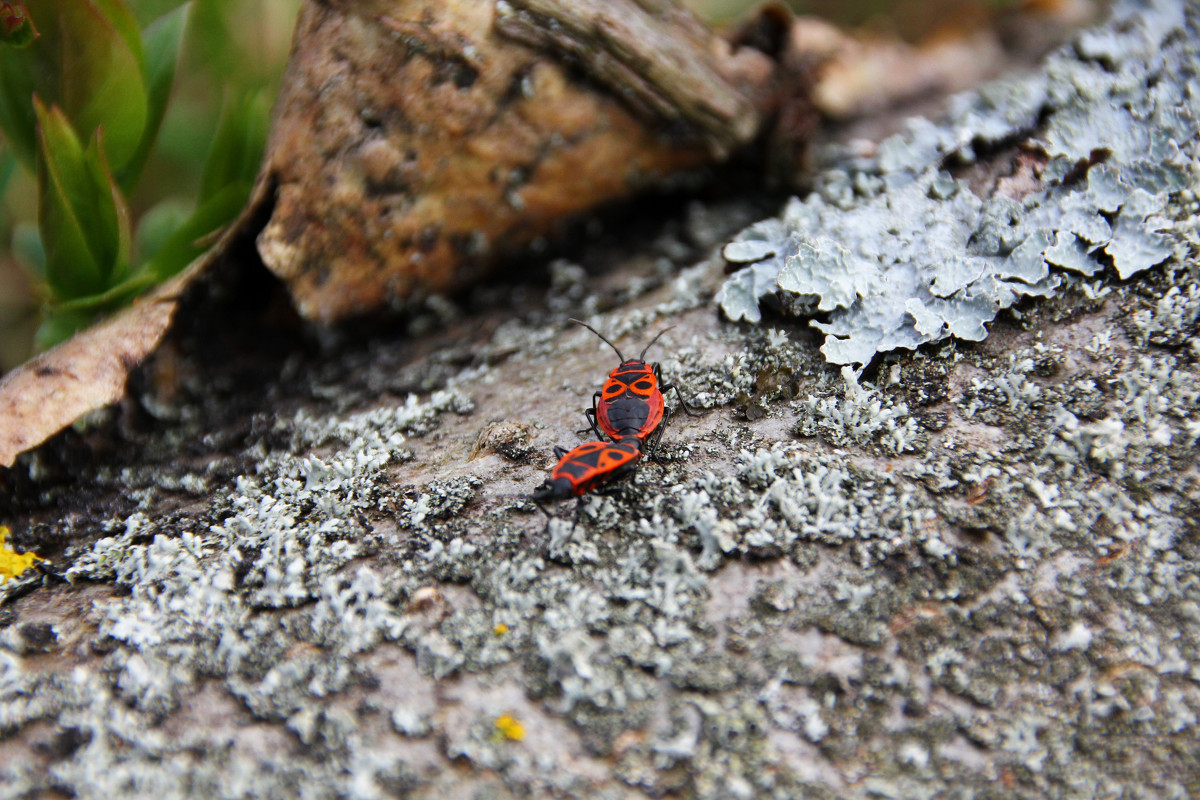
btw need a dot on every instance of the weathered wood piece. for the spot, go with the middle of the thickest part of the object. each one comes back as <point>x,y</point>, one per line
<point>415,145</point>
<point>656,56</point>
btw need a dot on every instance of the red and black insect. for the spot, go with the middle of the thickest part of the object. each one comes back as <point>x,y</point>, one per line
<point>630,405</point>
<point>587,466</point>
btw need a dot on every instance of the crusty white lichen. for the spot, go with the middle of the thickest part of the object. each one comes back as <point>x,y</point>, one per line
<point>861,415</point>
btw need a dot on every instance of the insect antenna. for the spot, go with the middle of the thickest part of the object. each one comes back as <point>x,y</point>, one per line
<point>657,336</point>
<point>606,341</point>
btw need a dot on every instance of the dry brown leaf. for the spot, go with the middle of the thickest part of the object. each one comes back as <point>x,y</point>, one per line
<point>88,371</point>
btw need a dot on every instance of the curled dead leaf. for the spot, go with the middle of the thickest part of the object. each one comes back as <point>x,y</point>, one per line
<point>86,372</point>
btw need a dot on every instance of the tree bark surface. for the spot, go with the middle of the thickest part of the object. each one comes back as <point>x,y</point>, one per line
<point>311,574</point>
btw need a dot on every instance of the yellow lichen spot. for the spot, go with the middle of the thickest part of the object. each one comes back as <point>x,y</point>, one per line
<point>13,564</point>
<point>508,727</point>
<point>500,629</point>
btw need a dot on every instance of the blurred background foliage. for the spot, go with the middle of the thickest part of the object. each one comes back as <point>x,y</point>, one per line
<point>181,95</point>
<point>181,92</point>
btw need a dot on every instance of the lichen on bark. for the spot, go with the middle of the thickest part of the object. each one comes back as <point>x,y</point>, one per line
<point>969,571</point>
<point>899,250</point>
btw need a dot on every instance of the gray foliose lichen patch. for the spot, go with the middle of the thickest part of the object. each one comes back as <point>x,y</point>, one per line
<point>894,251</point>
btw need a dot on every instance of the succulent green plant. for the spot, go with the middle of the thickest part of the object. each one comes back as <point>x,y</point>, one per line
<point>84,88</point>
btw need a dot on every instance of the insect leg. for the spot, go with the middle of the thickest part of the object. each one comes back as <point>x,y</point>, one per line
<point>656,437</point>
<point>666,387</point>
<point>682,402</point>
<point>591,415</point>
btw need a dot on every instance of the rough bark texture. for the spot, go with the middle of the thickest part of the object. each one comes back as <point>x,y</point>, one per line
<point>918,582</point>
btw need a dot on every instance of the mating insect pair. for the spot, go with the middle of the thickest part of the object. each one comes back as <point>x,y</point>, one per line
<point>631,410</point>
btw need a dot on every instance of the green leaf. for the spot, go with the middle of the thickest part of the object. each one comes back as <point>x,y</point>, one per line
<point>16,28</point>
<point>71,268</point>
<point>214,43</point>
<point>113,234</point>
<point>89,62</point>
<point>109,300</point>
<point>239,43</point>
<point>160,44</point>
<point>27,247</point>
<point>59,325</point>
<point>119,15</point>
<point>18,69</point>
<point>157,224</point>
<point>191,239</point>
<point>147,11</point>
<point>8,165</point>
<point>82,217</point>
<point>237,145</point>
<point>102,75</point>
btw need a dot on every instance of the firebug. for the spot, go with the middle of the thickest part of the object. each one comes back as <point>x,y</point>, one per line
<point>630,404</point>
<point>583,468</point>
